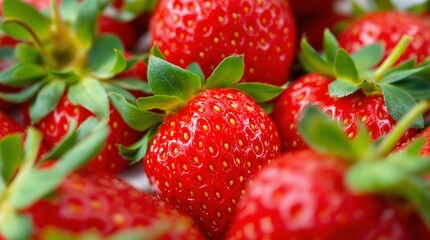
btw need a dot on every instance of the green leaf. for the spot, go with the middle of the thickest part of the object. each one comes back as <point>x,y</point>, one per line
<point>368,56</point>
<point>132,115</point>
<point>316,127</point>
<point>167,79</point>
<point>68,141</point>
<point>15,226</point>
<point>155,51</point>
<point>132,84</point>
<point>260,92</point>
<point>22,74</point>
<point>27,53</point>
<point>85,150</point>
<point>195,68</point>
<point>24,95</point>
<point>418,87</point>
<point>227,73</point>
<point>7,52</point>
<point>399,102</point>
<point>47,99</point>
<point>330,46</point>
<point>10,155</point>
<point>105,61</point>
<point>314,62</point>
<point>90,94</point>
<point>162,102</point>
<point>28,15</point>
<point>401,74</point>
<point>110,87</point>
<point>85,24</point>
<point>137,150</point>
<point>35,185</point>
<point>339,88</point>
<point>345,68</point>
<point>69,10</point>
<point>384,5</point>
<point>31,148</point>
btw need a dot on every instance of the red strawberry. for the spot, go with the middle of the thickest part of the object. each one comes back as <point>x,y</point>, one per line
<point>72,71</point>
<point>124,30</point>
<point>105,204</point>
<point>352,89</point>
<point>211,139</point>
<point>388,27</point>
<point>207,31</point>
<point>349,110</point>
<point>56,124</point>
<point>338,188</point>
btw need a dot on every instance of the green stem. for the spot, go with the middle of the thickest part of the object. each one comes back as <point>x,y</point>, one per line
<point>397,52</point>
<point>56,16</point>
<point>401,127</point>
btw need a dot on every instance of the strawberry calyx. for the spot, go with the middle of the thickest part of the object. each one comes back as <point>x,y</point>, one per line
<point>364,71</point>
<point>62,53</point>
<point>130,10</point>
<point>373,167</point>
<point>24,180</point>
<point>173,87</point>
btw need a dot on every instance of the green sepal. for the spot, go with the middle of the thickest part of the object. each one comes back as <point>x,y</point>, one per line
<point>46,100</point>
<point>345,68</point>
<point>15,226</point>
<point>7,53</point>
<point>165,78</point>
<point>156,52</point>
<point>28,15</point>
<point>384,5</point>
<point>330,46</point>
<point>136,7</point>
<point>105,57</point>
<point>339,88</point>
<point>400,74</point>
<point>110,87</point>
<point>162,102</point>
<point>312,60</point>
<point>132,115</point>
<point>69,10</point>
<point>31,148</point>
<point>137,150</point>
<point>24,95</point>
<point>368,56</point>
<point>22,74</point>
<point>27,53</point>
<point>68,141</point>
<point>10,156</point>
<point>90,94</point>
<point>399,102</point>
<point>316,127</point>
<point>132,84</point>
<point>260,92</point>
<point>417,86</point>
<point>195,68</point>
<point>227,73</point>
<point>85,24</point>
<point>69,77</point>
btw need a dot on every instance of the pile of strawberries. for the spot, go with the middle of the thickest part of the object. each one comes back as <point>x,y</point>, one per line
<point>250,119</point>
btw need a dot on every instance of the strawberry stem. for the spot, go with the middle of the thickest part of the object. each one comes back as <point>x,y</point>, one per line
<point>56,16</point>
<point>404,124</point>
<point>397,52</point>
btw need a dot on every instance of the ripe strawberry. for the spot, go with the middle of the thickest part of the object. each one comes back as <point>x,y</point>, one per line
<point>68,71</point>
<point>124,30</point>
<point>208,31</point>
<point>388,27</point>
<point>211,141</point>
<point>351,89</point>
<point>349,110</point>
<point>106,204</point>
<point>333,190</point>
<point>8,126</point>
<point>306,9</point>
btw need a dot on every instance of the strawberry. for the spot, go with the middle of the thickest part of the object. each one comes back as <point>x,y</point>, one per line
<point>388,27</point>
<point>208,31</point>
<point>8,126</point>
<point>338,188</point>
<point>303,10</point>
<point>351,89</point>
<point>191,162</point>
<point>67,71</point>
<point>124,30</point>
<point>105,204</point>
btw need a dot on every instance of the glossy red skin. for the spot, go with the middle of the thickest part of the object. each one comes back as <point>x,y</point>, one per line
<point>388,27</point>
<point>204,172</point>
<point>104,203</point>
<point>313,89</point>
<point>55,125</point>
<point>206,32</point>
<point>309,8</point>
<point>302,195</point>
